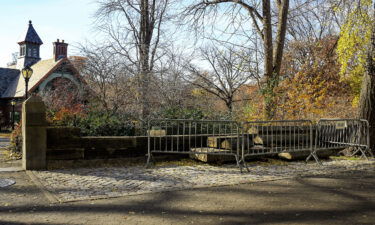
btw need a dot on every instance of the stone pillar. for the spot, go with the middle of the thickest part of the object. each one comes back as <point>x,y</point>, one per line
<point>34,134</point>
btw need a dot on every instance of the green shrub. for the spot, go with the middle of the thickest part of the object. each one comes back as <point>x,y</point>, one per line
<point>182,113</point>
<point>96,123</point>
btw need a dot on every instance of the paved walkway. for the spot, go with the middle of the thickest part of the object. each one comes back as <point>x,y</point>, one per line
<point>66,185</point>
<point>7,164</point>
<point>342,198</point>
<point>4,142</point>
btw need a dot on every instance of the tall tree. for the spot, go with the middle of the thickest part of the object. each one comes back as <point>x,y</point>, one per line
<point>262,20</point>
<point>367,96</point>
<point>356,50</point>
<point>134,28</point>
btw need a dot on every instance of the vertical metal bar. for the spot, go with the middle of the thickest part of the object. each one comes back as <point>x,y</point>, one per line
<point>178,136</point>
<point>294,138</point>
<point>166,137</point>
<point>311,137</point>
<point>173,136</point>
<point>183,136</point>
<point>201,134</point>
<point>195,134</point>
<point>189,135</point>
<point>148,140</point>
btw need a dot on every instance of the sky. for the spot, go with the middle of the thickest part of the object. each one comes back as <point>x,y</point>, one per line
<point>70,20</point>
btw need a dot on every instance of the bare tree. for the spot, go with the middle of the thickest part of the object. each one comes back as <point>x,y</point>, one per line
<point>107,77</point>
<point>260,15</point>
<point>228,71</point>
<point>134,28</point>
<point>14,59</point>
<point>172,88</point>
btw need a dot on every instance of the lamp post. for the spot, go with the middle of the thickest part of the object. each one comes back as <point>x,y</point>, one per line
<point>27,72</point>
<point>13,103</point>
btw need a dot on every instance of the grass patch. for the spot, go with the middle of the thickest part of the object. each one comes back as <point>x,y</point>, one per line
<point>180,162</point>
<point>269,162</point>
<point>345,157</point>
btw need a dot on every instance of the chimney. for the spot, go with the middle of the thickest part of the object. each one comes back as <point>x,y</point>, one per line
<point>60,50</point>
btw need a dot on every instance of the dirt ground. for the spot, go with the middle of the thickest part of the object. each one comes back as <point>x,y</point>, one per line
<point>346,198</point>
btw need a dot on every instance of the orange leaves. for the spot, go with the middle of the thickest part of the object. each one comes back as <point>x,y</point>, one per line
<point>65,113</point>
<point>311,81</point>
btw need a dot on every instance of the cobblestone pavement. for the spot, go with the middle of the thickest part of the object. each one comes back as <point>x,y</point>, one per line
<point>94,183</point>
<point>4,142</point>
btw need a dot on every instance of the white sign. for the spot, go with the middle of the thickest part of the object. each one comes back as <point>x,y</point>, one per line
<point>340,125</point>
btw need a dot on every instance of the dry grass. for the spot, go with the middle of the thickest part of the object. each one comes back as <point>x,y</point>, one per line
<point>345,157</point>
<point>181,162</point>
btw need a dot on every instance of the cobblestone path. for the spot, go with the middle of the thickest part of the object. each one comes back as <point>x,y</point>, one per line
<point>94,183</point>
<point>4,142</point>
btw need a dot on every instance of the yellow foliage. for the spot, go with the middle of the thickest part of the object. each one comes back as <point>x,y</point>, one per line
<point>354,38</point>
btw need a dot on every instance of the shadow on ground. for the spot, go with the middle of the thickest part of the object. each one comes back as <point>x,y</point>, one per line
<point>346,198</point>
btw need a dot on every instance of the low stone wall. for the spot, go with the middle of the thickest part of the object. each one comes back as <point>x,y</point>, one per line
<point>65,143</point>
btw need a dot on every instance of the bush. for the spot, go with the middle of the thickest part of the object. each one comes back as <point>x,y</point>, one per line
<point>105,124</point>
<point>16,139</point>
<point>65,116</point>
<point>182,113</point>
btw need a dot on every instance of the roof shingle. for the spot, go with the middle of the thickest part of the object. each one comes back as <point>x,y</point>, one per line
<point>31,36</point>
<point>16,88</point>
<point>7,77</point>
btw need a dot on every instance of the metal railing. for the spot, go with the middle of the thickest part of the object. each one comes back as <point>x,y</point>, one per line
<point>343,133</point>
<point>255,138</point>
<point>273,137</point>
<point>194,137</point>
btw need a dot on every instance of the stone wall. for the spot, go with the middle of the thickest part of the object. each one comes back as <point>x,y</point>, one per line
<point>65,143</point>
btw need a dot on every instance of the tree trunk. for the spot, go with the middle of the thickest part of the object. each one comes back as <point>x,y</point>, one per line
<point>273,56</point>
<point>268,92</point>
<point>367,98</point>
<point>144,50</point>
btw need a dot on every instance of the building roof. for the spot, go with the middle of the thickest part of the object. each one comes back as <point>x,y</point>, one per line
<point>7,77</point>
<point>31,36</point>
<point>15,88</point>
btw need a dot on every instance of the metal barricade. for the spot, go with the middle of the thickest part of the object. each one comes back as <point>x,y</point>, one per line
<point>194,137</point>
<point>255,138</point>
<point>343,133</point>
<point>273,137</point>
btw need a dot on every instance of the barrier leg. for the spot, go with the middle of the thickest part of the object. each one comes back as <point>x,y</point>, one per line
<point>150,158</point>
<point>356,151</point>
<point>363,152</point>
<point>244,164</point>
<point>238,163</point>
<point>315,156</point>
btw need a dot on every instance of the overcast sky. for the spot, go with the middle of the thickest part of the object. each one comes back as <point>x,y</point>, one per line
<point>70,20</point>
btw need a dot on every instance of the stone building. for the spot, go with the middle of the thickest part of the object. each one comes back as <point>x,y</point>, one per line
<point>45,73</point>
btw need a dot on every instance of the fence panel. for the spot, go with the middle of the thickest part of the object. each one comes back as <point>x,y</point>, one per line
<point>255,138</point>
<point>193,137</point>
<point>343,133</point>
<point>272,137</point>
